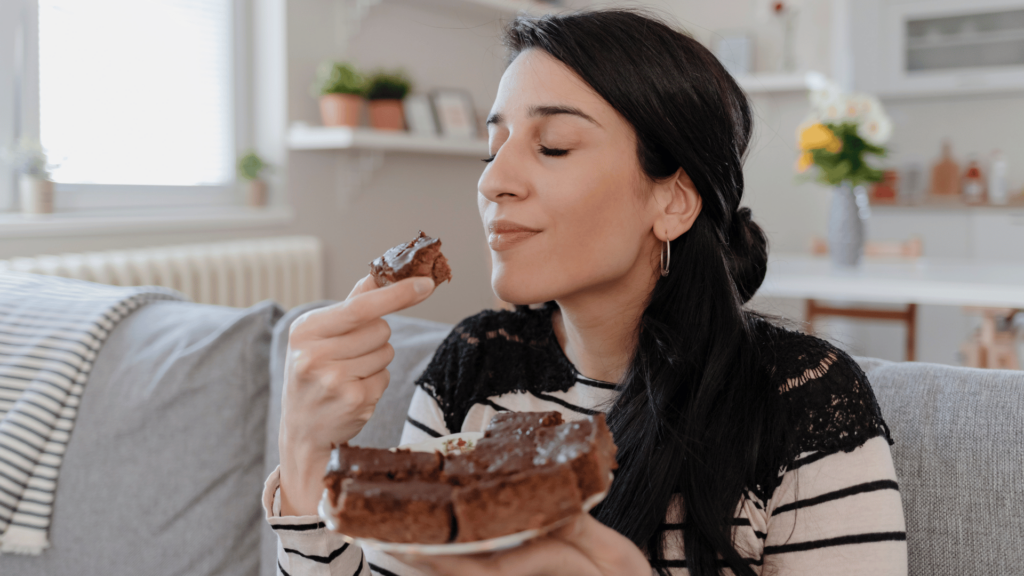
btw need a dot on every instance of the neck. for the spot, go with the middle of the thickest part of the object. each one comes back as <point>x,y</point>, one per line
<point>597,330</point>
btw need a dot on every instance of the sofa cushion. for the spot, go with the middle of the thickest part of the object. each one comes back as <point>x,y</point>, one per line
<point>162,476</point>
<point>959,456</point>
<point>414,341</point>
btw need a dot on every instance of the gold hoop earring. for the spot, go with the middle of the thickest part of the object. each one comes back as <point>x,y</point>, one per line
<point>666,258</point>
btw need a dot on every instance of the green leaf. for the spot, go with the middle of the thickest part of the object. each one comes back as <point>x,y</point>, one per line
<point>384,85</point>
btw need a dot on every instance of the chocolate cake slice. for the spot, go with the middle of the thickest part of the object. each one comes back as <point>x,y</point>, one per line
<point>531,499</point>
<point>587,445</point>
<point>529,471</point>
<point>377,465</point>
<point>492,457</point>
<point>419,257</point>
<point>520,423</point>
<point>391,511</point>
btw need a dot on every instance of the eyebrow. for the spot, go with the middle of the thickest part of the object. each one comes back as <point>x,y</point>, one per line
<point>545,111</point>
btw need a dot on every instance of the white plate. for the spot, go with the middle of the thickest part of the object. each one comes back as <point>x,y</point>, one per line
<point>443,445</point>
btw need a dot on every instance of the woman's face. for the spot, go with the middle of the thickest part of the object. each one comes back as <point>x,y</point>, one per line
<point>564,201</point>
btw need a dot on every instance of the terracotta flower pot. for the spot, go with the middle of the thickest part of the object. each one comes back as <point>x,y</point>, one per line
<point>387,114</point>
<point>36,195</point>
<point>340,109</point>
<point>257,196</point>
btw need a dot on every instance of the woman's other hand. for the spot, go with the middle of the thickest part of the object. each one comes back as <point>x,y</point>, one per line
<point>335,372</point>
<point>584,547</point>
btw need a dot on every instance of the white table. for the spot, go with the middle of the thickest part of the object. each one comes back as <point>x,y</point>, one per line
<point>997,288</point>
<point>938,281</point>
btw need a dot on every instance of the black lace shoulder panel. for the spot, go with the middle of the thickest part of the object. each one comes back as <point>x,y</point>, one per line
<point>492,353</point>
<point>824,394</point>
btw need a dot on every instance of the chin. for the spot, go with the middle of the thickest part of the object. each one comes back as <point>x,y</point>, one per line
<point>519,287</point>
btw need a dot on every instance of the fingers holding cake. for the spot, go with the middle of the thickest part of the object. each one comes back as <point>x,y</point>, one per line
<point>336,366</point>
<point>365,304</point>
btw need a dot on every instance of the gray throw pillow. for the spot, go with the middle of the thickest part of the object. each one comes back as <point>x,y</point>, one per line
<point>164,470</point>
<point>959,457</point>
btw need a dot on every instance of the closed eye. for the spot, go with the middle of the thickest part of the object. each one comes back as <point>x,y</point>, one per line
<point>553,151</point>
<point>543,150</point>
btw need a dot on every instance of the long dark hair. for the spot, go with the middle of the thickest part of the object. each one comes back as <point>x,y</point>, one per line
<point>693,417</point>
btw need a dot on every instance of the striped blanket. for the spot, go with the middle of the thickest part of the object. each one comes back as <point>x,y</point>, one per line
<point>50,332</point>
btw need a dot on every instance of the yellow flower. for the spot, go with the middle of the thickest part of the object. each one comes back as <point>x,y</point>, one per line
<point>804,162</point>
<point>818,136</point>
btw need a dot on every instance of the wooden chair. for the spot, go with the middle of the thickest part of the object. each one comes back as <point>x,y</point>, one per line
<point>911,248</point>
<point>991,347</point>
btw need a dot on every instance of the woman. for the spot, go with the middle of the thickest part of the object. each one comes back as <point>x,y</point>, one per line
<point>612,194</point>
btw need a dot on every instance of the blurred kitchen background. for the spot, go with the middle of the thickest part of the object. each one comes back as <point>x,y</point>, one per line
<point>242,149</point>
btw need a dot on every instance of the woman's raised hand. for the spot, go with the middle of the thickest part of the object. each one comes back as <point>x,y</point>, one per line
<point>335,372</point>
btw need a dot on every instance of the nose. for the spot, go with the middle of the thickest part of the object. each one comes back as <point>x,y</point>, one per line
<point>504,179</point>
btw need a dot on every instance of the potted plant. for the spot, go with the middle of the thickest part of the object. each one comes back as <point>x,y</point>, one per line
<point>340,89</point>
<point>385,91</point>
<point>249,168</point>
<point>835,138</point>
<point>28,159</point>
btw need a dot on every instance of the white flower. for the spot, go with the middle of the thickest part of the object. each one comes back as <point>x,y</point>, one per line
<point>825,96</point>
<point>875,129</point>
<point>861,106</point>
<point>830,105</point>
<point>834,110</point>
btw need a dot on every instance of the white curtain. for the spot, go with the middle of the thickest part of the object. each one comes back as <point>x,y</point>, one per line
<point>138,91</point>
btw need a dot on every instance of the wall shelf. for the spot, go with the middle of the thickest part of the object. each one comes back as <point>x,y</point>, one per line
<point>763,83</point>
<point>306,137</point>
<point>509,7</point>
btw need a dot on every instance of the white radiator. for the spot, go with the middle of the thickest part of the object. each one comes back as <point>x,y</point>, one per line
<point>240,273</point>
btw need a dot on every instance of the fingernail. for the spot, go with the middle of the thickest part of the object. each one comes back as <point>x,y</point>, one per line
<point>423,285</point>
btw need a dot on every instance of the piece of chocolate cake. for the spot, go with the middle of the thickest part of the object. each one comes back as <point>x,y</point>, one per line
<point>420,257</point>
<point>491,458</point>
<point>531,499</point>
<point>521,423</point>
<point>586,445</point>
<point>378,464</point>
<point>529,471</point>
<point>391,511</point>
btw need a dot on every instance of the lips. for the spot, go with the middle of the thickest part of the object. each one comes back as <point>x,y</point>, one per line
<point>505,234</point>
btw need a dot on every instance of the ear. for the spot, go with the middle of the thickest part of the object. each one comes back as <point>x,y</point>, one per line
<point>677,205</point>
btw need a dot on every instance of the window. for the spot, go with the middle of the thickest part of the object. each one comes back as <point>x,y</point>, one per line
<point>137,92</point>
<point>138,102</point>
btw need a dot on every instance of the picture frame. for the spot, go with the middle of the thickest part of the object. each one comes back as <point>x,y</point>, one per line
<point>419,115</point>
<point>454,112</point>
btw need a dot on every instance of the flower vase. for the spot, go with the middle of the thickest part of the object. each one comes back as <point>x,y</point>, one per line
<point>846,224</point>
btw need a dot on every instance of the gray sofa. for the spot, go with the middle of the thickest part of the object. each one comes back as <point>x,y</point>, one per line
<point>178,430</point>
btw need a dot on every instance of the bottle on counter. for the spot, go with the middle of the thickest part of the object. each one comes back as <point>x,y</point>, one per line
<point>973,184</point>
<point>946,173</point>
<point>997,189</point>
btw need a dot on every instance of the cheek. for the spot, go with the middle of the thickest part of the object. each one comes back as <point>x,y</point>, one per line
<point>595,236</point>
<point>599,222</point>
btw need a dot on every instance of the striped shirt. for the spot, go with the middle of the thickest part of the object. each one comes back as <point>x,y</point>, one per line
<point>835,508</point>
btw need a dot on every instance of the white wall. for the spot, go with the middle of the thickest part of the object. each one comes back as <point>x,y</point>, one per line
<point>407,193</point>
<point>436,193</point>
<point>792,213</point>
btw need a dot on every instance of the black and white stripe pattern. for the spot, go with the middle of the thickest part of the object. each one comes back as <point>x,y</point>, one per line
<point>50,332</point>
<point>834,511</point>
